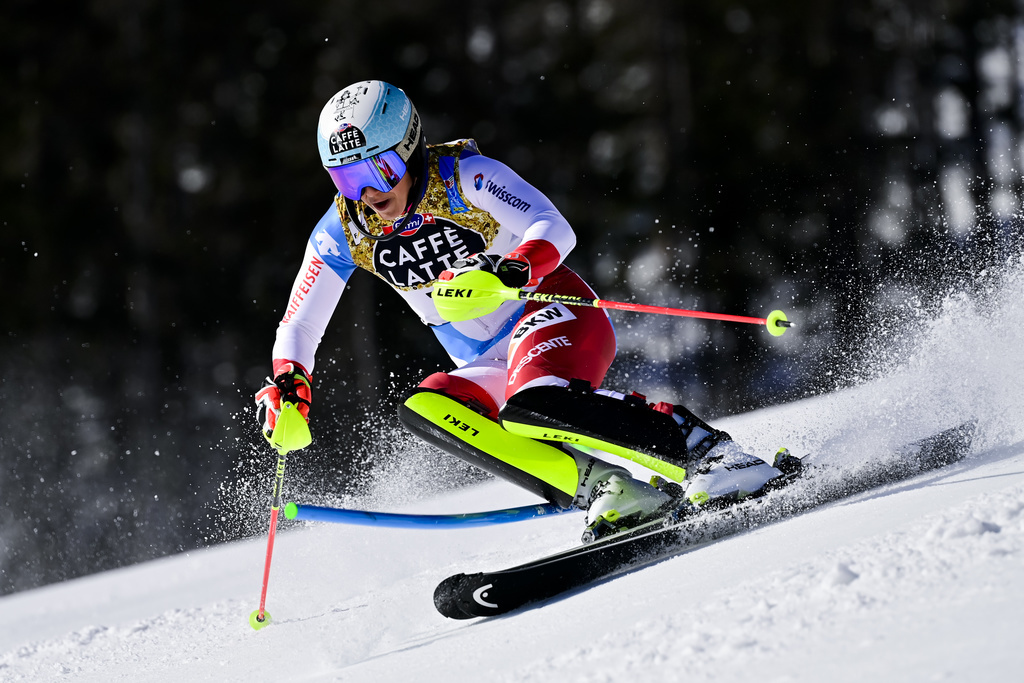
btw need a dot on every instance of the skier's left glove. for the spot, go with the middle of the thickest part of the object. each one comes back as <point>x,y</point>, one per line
<point>291,384</point>
<point>512,269</point>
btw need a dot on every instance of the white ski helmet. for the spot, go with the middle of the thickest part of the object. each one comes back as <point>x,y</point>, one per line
<point>366,135</point>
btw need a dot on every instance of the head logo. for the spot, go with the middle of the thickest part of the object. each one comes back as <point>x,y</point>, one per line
<point>478,181</point>
<point>480,593</point>
<point>414,133</point>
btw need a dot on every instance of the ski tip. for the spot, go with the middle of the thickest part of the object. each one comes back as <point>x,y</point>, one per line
<point>446,597</point>
<point>256,622</point>
<point>291,510</point>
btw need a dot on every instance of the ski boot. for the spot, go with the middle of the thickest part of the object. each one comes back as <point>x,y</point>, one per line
<point>728,475</point>
<point>620,502</point>
<point>787,463</point>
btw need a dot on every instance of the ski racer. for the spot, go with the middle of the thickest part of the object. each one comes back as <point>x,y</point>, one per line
<point>523,400</point>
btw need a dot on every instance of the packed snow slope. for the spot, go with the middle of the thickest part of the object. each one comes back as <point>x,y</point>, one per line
<point>918,580</point>
<point>923,580</point>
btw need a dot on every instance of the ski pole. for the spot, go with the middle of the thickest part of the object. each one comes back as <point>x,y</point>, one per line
<point>776,321</point>
<point>477,292</point>
<point>290,434</point>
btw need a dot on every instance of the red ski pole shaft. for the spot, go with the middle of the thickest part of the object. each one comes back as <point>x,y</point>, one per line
<point>290,434</point>
<point>275,509</point>
<point>682,312</point>
<point>776,322</point>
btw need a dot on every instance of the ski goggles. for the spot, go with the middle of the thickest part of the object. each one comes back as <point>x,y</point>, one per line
<point>382,172</point>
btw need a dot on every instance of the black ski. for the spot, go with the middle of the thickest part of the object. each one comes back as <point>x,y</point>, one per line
<point>485,594</point>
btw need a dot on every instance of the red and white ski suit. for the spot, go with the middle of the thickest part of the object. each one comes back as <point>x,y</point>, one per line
<point>471,204</point>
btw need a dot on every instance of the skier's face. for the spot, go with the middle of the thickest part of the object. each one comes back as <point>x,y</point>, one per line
<point>389,205</point>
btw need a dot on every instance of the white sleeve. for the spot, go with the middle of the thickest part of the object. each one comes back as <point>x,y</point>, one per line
<point>315,295</point>
<point>520,207</point>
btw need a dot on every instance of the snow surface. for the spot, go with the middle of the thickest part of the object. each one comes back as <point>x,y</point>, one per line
<point>919,580</point>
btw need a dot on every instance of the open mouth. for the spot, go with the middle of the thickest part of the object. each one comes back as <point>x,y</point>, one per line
<point>380,206</point>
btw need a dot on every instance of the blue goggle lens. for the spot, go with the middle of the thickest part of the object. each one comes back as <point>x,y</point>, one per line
<point>381,172</point>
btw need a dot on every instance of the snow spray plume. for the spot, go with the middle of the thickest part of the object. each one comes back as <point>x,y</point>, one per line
<point>959,359</point>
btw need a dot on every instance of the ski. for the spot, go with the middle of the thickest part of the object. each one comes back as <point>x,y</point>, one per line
<point>485,594</point>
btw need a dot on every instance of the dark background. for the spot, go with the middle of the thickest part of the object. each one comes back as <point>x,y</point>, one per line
<point>844,161</point>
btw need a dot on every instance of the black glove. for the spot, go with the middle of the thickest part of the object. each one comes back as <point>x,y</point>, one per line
<point>512,269</point>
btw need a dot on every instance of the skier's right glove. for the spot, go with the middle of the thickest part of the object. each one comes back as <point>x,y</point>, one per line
<point>291,384</point>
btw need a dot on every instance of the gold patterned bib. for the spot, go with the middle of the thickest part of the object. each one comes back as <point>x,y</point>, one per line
<point>444,229</point>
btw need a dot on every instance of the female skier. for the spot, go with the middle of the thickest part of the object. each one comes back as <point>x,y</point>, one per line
<point>522,401</point>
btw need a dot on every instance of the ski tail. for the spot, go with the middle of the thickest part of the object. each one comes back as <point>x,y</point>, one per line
<point>944,448</point>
